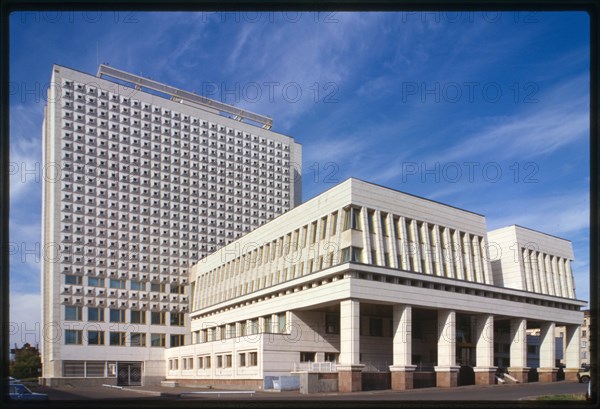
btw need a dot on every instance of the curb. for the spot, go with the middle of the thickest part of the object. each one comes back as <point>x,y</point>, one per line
<point>153,393</point>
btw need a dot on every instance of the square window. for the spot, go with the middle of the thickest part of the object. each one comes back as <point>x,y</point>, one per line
<point>157,318</point>
<point>157,340</point>
<point>117,315</point>
<point>95,314</point>
<point>73,313</point>
<point>95,337</point>
<point>138,317</point>
<point>117,338</point>
<point>73,337</point>
<point>138,339</point>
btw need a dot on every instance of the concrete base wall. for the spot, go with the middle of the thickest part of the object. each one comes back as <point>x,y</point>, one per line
<point>485,377</point>
<point>222,383</point>
<point>349,381</point>
<point>76,382</point>
<point>520,374</point>
<point>547,375</point>
<point>446,379</point>
<point>282,383</point>
<point>402,380</point>
<point>313,382</point>
<point>571,374</point>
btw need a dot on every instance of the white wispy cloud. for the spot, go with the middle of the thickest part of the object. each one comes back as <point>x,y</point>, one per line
<point>561,117</point>
<point>564,214</point>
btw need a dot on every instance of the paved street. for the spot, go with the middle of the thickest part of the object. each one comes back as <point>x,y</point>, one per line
<point>465,393</point>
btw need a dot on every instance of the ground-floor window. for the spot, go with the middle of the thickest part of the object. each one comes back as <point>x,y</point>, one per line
<point>332,323</point>
<point>242,359</point>
<point>307,356</point>
<point>228,361</point>
<point>282,323</point>
<point>72,369</point>
<point>89,369</point>
<point>253,358</point>
<point>331,357</point>
<point>173,364</point>
<point>188,363</point>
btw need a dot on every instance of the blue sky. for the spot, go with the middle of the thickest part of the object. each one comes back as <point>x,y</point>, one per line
<point>484,111</point>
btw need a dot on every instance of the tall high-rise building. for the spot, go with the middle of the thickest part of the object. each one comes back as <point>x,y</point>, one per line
<point>142,181</point>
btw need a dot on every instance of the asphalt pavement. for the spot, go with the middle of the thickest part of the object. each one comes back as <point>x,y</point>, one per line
<point>472,393</point>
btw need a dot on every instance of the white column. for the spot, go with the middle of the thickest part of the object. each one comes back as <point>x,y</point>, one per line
<point>338,233</point>
<point>518,345</point>
<point>402,343</point>
<point>416,249</point>
<point>308,250</point>
<point>404,250</point>
<point>469,258</point>
<point>569,277</point>
<point>378,239</point>
<point>535,272</point>
<point>457,248</point>
<point>427,249</point>
<point>477,263</point>
<point>448,256</point>
<point>563,277</point>
<point>446,338</point>
<point>549,276</point>
<point>485,341</point>
<point>439,254</point>
<point>528,274</point>
<point>275,323</point>
<point>366,235</point>
<point>315,250</point>
<point>542,273</point>
<point>556,276</point>
<point>485,261</point>
<point>560,271</point>
<point>547,345</point>
<point>349,332</point>
<point>392,242</point>
<point>573,340</point>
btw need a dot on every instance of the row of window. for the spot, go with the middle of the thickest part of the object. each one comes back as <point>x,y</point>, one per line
<point>120,338</point>
<point>174,157</point>
<point>244,359</point>
<point>121,284</point>
<point>180,142</point>
<point>267,253</point>
<point>79,99</point>
<point>96,314</point>
<point>268,324</point>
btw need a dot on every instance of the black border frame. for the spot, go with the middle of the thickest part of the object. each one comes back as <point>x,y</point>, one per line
<point>592,7</point>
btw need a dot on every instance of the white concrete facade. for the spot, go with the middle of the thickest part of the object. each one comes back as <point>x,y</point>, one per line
<point>138,188</point>
<point>532,261</point>
<point>354,265</point>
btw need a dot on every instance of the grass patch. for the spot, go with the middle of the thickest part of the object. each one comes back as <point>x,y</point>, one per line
<point>33,379</point>
<point>564,396</point>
